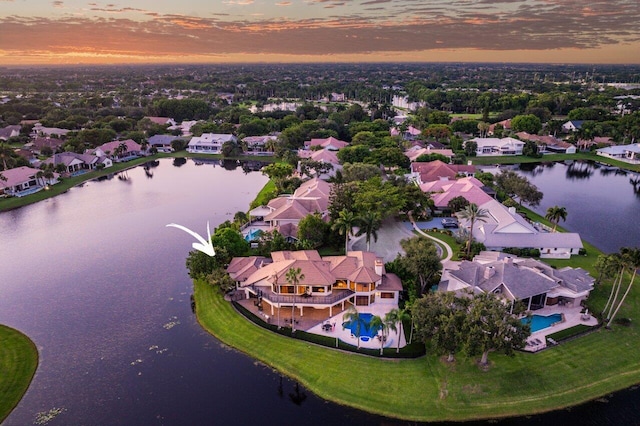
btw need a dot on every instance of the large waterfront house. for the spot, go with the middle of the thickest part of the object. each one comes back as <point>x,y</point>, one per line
<point>162,143</point>
<point>529,281</point>
<point>74,162</point>
<point>285,212</point>
<point>23,180</point>
<point>209,143</point>
<point>627,153</point>
<point>548,143</point>
<point>498,146</point>
<point>118,150</point>
<point>444,190</point>
<point>505,228</point>
<point>359,278</point>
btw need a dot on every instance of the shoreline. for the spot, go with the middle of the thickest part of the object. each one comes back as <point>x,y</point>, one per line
<point>20,352</point>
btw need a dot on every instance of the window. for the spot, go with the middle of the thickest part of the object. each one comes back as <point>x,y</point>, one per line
<point>387,295</point>
<point>362,300</point>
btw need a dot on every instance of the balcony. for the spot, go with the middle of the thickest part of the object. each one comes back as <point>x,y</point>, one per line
<point>331,299</point>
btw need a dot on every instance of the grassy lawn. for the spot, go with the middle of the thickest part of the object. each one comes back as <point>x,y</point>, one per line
<point>455,247</point>
<point>265,194</point>
<point>427,389</point>
<point>18,363</point>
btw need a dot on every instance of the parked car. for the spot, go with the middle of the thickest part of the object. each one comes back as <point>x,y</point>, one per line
<point>450,222</point>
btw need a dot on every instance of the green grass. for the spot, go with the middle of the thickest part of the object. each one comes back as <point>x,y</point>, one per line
<point>455,247</point>
<point>18,363</point>
<point>265,194</point>
<point>570,332</point>
<point>428,389</point>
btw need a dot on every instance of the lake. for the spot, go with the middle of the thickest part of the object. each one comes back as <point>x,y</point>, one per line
<point>96,279</point>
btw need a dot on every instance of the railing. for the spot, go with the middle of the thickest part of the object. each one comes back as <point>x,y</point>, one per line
<point>337,296</point>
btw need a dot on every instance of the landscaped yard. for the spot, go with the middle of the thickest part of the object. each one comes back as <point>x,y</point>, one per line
<point>428,389</point>
<point>18,363</point>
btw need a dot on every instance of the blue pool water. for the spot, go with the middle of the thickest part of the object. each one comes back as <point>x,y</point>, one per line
<point>366,331</point>
<point>253,234</point>
<point>539,322</point>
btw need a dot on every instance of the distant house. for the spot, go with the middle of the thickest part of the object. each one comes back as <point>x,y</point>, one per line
<point>257,144</point>
<point>548,143</point>
<point>40,130</point>
<point>626,153</point>
<point>118,150</point>
<point>410,134</point>
<point>74,162</point>
<point>22,181</point>
<point>513,279</point>
<point>572,125</point>
<point>163,121</point>
<point>322,156</point>
<point>443,191</point>
<point>184,127</point>
<point>10,132</point>
<point>506,125</point>
<point>416,151</point>
<point>209,143</point>
<point>38,143</point>
<point>437,170</point>
<point>498,146</point>
<point>329,143</point>
<point>162,142</point>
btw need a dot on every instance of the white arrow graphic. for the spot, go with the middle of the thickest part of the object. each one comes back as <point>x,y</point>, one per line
<point>204,246</point>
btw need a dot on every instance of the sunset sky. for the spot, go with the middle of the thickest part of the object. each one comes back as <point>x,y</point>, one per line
<point>139,31</point>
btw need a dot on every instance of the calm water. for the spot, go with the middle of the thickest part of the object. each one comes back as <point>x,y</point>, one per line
<point>98,282</point>
<point>603,205</point>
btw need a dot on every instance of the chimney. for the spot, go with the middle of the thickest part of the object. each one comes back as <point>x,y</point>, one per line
<point>508,260</point>
<point>489,271</point>
<point>378,267</point>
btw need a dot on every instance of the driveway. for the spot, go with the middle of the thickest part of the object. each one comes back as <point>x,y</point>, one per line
<point>388,244</point>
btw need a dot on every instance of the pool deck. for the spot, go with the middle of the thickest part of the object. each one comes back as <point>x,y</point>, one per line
<point>572,317</point>
<point>314,319</point>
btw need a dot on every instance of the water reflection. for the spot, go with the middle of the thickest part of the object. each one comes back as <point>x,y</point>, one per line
<point>580,170</point>
<point>178,162</point>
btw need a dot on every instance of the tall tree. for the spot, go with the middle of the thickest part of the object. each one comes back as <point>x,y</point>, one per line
<point>554,214</point>
<point>421,259</point>
<point>369,224</point>
<point>630,257</point>
<point>491,327</point>
<point>344,225</point>
<point>294,276</point>
<point>473,214</point>
<point>394,319</point>
<point>352,315</point>
<point>379,323</point>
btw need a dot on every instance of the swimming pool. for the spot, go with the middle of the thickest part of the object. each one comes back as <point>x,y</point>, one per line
<point>539,322</point>
<point>253,235</point>
<point>366,330</point>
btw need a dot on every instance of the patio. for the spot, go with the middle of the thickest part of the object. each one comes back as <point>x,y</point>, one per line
<point>314,320</point>
<point>572,316</point>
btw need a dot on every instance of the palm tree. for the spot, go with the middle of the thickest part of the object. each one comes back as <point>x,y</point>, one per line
<point>473,214</point>
<point>554,214</point>
<point>369,224</point>
<point>396,317</point>
<point>344,225</point>
<point>294,276</point>
<point>6,154</point>
<point>631,257</point>
<point>383,326</point>
<point>353,316</point>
